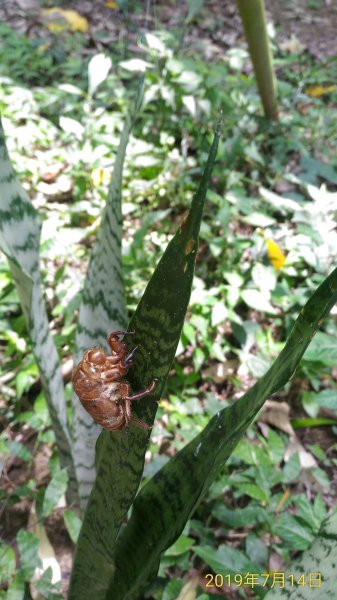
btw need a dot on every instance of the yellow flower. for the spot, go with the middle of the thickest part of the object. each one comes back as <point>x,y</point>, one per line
<point>275,255</point>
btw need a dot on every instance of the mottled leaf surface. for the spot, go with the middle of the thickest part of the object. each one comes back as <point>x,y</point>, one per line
<point>103,306</point>
<point>20,240</point>
<point>163,506</point>
<point>317,567</point>
<point>120,455</point>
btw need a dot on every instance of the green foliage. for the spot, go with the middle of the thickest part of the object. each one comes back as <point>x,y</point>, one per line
<point>269,183</point>
<point>157,324</point>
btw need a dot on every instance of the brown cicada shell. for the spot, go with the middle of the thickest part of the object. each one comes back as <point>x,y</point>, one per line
<point>98,382</point>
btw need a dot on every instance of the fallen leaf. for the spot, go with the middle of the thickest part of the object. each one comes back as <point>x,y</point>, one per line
<point>292,45</point>
<point>277,415</point>
<point>50,173</point>
<point>58,19</point>
<point>316,91</point>
<point>61,190</point>
<point>307,460</point>
<point>219,372</point>
<point>46,554</point>
<point>189,591</point>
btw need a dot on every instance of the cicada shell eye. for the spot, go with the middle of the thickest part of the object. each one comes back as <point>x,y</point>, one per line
<point>118,348</point>
<point>96,356</point>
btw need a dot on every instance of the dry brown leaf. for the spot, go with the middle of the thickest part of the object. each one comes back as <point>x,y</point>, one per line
<point>277,414</point>
<point>219,372</point>
<point>46,554</point>
<point>189,591</point>
<point>307,460</point>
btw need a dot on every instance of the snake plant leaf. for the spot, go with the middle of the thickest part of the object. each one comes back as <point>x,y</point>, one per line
<point>103,305</point>
<point>317,568</point>
<point>19,240</point>
<point>157,325</point>
<point>163,506</point>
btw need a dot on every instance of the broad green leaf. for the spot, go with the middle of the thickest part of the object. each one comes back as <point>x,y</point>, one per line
<point>28,547</point>
<point>323,348</point>
<point>16,590</point>
<point>325,398</point>
<point>245,517</point>
<point>19,450</point>
<point>73,524</point>
<point>103,307</point>
<point>252,490</point>
<point>182,544</point>
<point>19,240</point>
<point>55,489</point>
<point>225,559</point>
<point>292,468</point>
<point>317,564</point>
<point>294,533</point>
<point>157,324</point>
<point>7,564</point>
<point>194,6</point>
<point>164,504</point>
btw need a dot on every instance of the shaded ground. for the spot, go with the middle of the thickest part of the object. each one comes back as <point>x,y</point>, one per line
<point>313,22</point>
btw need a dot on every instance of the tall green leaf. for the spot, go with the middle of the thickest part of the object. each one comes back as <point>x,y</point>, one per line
<point>120,455</point>
<point>163,506</point>
<point>20,240</point>
<point>103,306</point>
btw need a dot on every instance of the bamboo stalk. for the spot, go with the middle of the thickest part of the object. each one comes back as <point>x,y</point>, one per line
<point>253,18</point>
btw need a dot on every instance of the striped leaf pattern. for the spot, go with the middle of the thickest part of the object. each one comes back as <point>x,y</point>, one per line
<point>19,240</point>
<point>163,506</point>
<point>120,456</point>
<point>103,307</point>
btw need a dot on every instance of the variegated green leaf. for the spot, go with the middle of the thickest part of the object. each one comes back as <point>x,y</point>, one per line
<point>103,307</point>
<point>163,506</point>
<point>314,575</point>
<point>120,455</point>
<point>19,240</point>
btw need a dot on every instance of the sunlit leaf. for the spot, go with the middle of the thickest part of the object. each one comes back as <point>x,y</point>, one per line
<point>98,69</point>
<point>71,126</point>
<point>56,488</point>
<point>258,300</point>
<point>135,65</point>
<point>73,523</point>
